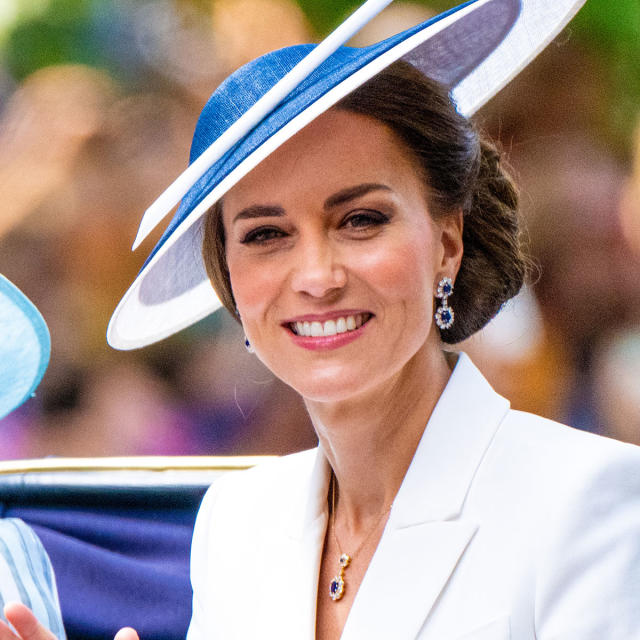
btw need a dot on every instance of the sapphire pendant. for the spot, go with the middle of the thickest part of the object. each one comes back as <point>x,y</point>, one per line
<point>337,586</point>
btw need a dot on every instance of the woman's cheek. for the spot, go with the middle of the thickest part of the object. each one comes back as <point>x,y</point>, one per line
<point>400,273</point>
<point>250,284</point>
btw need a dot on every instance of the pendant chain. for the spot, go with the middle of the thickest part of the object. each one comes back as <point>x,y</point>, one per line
<point>338,585</point>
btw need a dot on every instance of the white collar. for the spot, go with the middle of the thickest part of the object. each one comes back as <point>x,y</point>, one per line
<point>452,446</point>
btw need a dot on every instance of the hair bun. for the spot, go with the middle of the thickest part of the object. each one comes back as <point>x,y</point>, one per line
<point>494,265</point>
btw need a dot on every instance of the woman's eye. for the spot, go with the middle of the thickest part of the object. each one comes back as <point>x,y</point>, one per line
<point>365,219</point>
<point>262,235</point>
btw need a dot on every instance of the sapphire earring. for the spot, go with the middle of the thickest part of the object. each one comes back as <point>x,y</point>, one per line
<point>247,344</point>
<point>444,314</point>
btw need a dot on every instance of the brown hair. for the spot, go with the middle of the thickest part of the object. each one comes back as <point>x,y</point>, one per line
<point>463,171</point>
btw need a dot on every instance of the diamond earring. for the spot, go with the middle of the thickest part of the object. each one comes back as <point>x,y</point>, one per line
<point>444,314</point>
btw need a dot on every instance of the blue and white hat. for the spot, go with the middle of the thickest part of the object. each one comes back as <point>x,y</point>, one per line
<point>474,49</point>
<point>25,347</point>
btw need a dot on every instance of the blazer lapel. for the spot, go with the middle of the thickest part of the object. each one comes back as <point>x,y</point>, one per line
<point>292,563</point>
<point>426,536</point>
<point>405,578</point>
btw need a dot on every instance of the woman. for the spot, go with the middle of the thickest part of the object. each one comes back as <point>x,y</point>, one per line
<point>488,523</point>
<point>350,253</point>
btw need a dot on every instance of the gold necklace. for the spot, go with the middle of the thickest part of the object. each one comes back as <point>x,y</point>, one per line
<point>338,585</point>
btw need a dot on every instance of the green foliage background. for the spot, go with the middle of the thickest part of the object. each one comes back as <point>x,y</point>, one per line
<point>61,31</point>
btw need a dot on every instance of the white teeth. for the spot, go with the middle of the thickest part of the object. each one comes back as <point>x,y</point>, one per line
<point>330,327</point>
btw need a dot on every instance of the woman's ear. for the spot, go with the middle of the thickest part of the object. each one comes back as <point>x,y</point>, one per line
<point>451,227</point>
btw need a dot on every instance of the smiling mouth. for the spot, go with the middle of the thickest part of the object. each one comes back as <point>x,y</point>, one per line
<point>331,327</point>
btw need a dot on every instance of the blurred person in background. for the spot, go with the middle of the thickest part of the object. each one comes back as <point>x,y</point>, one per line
<point>588,287</point>
<point>26,574</point>
<point>617,355</point>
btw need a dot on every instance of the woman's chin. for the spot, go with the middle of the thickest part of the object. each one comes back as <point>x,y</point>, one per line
<point>338,379</point>
<point>329,385</point>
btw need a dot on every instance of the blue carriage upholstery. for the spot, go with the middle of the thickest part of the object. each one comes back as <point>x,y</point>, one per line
<point>118,532</point>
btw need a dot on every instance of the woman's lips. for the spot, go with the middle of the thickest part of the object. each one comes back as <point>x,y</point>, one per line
<point>331,333</point>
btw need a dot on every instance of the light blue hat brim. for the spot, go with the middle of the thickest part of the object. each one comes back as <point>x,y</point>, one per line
<point>474,49</point>
<point>25,347</point>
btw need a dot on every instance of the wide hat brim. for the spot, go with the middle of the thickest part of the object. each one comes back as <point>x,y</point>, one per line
<point>474,49</point>
<point>25,347</point>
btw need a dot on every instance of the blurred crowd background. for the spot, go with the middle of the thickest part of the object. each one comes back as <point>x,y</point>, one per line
<point>98,100</point>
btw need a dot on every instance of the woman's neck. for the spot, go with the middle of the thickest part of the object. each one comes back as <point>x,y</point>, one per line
<point>370,440</point>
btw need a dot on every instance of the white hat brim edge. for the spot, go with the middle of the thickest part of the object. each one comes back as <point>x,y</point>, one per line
<point>549,16</point>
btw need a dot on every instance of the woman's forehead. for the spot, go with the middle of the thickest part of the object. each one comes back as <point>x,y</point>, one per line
<point>337,150</point>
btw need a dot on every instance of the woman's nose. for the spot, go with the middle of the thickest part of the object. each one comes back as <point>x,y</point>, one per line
<point>317,271</point>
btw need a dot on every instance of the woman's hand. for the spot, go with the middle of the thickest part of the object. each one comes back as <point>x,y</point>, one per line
<point>28,627</point>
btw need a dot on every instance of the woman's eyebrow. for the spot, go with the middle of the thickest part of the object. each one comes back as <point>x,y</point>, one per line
<point>353,192</point>
<point>259,211</point>
<point>350,193</point>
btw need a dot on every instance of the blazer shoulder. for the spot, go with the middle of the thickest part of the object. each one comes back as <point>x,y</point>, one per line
<point>245,496</point>
<point>582,493</point>
<point>559,440</point>
<point>563,463</point>
<point>275,474</point>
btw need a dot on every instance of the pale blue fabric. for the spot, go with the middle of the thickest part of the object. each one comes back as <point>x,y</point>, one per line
<point>25,347</point>
<point>26,575</point>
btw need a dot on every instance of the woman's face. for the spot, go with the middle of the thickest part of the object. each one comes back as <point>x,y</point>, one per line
<point>334,258</point>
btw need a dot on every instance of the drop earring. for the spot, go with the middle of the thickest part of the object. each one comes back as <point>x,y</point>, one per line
<point>247,344</point>
<point>444,314</point>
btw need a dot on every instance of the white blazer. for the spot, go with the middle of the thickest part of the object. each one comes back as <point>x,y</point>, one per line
<point>506,525</point>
